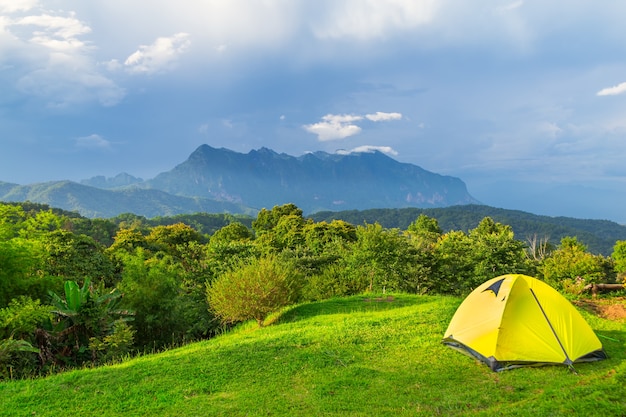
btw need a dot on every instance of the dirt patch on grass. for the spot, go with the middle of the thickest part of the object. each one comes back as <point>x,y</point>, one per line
<point>611,309</point>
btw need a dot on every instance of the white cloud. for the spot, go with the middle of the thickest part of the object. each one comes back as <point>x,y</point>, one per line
<point>55,32</point>
<point>334,126</point>
<point>12,6</point>
<point>340,126</point>
<point>159,55</point>
<point>613,91</point>
<point>380,116</point>
<point>54,58</point>
<point>369,149</point>
<point>373,19</point>
<point>93,141</point>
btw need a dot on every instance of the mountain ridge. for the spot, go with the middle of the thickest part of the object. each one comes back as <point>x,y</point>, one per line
<point>222,180</point>
<point>313,181</point>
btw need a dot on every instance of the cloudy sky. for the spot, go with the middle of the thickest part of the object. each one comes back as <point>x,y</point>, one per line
<point>524,100</point>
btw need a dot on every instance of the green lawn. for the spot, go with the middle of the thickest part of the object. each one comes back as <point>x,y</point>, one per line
<point>356,356</point>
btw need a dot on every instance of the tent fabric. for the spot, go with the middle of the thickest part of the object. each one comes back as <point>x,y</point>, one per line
<point>516,320</point>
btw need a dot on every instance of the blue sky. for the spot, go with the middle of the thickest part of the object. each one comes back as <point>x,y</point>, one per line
<point>523,100</point>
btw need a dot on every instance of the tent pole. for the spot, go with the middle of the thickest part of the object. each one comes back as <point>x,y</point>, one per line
<point>568,361</point>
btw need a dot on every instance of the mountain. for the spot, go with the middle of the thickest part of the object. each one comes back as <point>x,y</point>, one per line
<point>315,181</point>
<point>221,180</point>
<point>120,180</point>
<point>94,202</point>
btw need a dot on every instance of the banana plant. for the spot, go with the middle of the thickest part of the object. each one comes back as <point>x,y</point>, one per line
<point>83,313</point>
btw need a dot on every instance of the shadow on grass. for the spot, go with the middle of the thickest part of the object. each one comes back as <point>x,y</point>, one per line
<point>347,305</point>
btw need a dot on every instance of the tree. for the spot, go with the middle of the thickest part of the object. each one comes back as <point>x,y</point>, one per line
<point>74,257</point>
<point>495,252</point>
<point>11,219</point>
<point>619,257</point>
<point>41,223</point>
<point>151,288</point>
<point>571,267</point>
<point>425,228</point>
<point>538,248</point>
<point>319,236</point>
<point>256,289</point>
<point>453,263</point>
<point>22,317</point>
<point>233,232</point>
<point>382,259</point>
<point>268,219</point>
<point>172,239</point>
<point>464,261</point>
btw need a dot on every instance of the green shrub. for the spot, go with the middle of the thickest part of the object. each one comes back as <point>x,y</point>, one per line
<point>114,345</point>
<point>256,289</point>
<point>333,281</point>
<point>22,317</point>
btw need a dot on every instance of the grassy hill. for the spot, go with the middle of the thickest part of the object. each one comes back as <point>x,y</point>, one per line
<point>358,356</point>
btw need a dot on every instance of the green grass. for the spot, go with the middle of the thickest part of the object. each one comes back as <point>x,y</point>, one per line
<point>345,357</point>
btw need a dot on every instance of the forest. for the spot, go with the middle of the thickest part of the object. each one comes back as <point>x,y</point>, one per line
<point>78,292</point>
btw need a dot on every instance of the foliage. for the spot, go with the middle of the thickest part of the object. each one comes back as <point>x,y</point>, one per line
<point>570,264</point>
<point>74,257</point>
<point>204,223</point>
<point>253,291</point>
<point>619,258</point>
<point>22,317</point>
<point>598,235</point>
<point>11,220</point>
<point>22,271</point>
<point>172,239</point>
<point>233,232</point>
<point>464,261</point>
<point>18,324</point>
<point>425,228</point>
<point>332,281</point>
<point>83,313</point>
<point>114,345</point>
<point>380,259</point>
<point>9,349</point>
<point>267,220</point>
<point>151,289</point>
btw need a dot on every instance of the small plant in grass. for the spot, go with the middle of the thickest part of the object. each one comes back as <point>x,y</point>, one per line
<point>252,291</point>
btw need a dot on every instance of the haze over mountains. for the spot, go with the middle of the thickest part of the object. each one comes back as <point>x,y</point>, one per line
<point>221,180</point>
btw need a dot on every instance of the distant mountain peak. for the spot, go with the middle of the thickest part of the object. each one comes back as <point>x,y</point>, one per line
<point>120,180</point>
<point>365,178</point>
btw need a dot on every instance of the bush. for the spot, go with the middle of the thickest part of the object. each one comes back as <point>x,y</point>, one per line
<point>256,289</point>
<point>333,281</point>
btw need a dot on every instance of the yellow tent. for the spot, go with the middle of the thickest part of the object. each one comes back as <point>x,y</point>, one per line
<point>517,320</point>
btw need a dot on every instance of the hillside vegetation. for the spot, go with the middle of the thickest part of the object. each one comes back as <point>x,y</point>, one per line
<point>354,356</point>
<point>598,235</point>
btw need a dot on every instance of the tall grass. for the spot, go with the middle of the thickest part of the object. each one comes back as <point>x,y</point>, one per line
<point>358,356</point>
